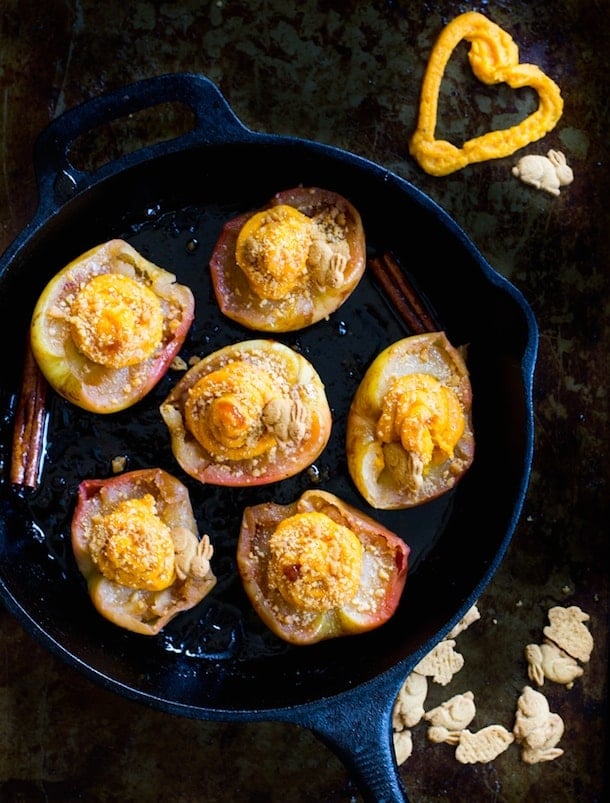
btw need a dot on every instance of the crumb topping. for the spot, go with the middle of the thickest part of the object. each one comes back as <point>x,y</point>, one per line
<point>283,251</point>
<point>133,546</point>
<point>116,321</point>
<point>272,249</point>
<point>314,563</point>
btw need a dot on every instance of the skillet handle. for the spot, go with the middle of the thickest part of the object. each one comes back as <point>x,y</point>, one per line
<point>357,727</point>
<point>214,122</point>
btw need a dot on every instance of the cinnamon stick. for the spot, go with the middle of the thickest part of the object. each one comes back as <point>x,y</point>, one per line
<point>402,294</point>
<point>29,426</point>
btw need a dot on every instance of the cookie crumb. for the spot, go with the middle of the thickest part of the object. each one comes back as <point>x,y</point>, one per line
<point>118,463</point>
<point>178,364</point>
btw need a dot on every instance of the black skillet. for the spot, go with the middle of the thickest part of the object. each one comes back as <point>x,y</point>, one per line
<point>218,662</point>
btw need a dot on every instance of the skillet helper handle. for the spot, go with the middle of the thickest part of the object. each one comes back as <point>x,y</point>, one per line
<point>214,122</point>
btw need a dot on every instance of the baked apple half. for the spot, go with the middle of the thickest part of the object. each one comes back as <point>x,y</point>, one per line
<point>290,264</point>
<point>107,326</point>
<point>250,413</point>
<point>136,542</point>
<point>409,427</point>
<point>319,568</point>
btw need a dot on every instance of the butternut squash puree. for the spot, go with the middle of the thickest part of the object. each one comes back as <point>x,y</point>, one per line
<point>224,411</point>
<point>133,546</point>
<point>494,58</point>
<point>272,250</point>
<point>424,416</point>
<point>314,563</point>
<point>116,321</point>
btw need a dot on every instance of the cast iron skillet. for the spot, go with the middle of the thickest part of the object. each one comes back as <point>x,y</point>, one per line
<point>218,662</point>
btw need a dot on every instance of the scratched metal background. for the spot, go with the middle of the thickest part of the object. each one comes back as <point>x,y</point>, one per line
<point>349,74</point>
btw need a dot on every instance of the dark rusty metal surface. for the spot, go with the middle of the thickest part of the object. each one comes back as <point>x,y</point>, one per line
<point>350,77</point>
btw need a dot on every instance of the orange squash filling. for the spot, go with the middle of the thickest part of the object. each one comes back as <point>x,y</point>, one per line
<point>224,411</point>
<point>132,546</point>
<point>424,416</point>
<point>272,249</point>
<point>315,563</point>
<point>116,321</point>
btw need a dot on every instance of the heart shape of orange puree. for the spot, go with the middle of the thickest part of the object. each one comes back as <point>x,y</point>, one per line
<point>494,59</point>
